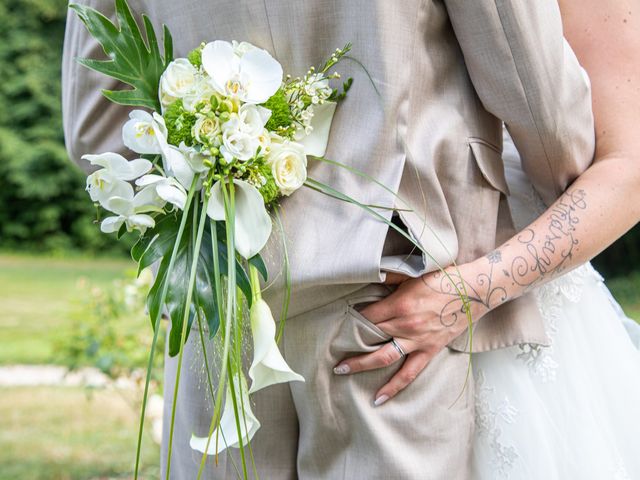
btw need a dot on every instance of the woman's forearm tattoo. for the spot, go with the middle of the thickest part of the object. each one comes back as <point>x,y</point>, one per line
<point>547,252</point>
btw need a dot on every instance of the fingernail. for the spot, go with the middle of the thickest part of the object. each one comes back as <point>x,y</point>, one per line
<point>380,400</point>
<point>341,369</point>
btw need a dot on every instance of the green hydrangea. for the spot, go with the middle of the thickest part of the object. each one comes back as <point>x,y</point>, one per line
<point>259,171</point>
<point>179,124</point>
<point>195,56</point>
<point>280,114</point>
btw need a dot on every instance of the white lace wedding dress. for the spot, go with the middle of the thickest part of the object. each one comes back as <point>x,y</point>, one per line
<point>571,410</point>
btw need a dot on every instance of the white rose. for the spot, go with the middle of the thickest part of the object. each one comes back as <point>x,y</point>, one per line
<point>202,90</point>
<point>252,119</point>
<point>237,144</point>
<point>177,81</point>
<point>288,166</point>
<point>206,128</point>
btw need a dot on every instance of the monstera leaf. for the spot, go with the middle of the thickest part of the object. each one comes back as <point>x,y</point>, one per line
<point>156,245</point>
<point>134,60</point>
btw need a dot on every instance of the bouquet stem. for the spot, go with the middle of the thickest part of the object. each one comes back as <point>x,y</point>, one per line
<point>185,323</point>
<point>156,324</point>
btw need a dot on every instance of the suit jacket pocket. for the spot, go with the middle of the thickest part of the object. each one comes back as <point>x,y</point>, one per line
<point>489,160</point>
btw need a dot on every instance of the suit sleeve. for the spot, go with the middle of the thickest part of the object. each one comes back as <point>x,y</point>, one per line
<point>526,74</point>
<point>92,124</point>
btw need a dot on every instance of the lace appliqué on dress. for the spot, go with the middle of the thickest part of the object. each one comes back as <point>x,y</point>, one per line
<point>489,420</point>
<point>551,299</point>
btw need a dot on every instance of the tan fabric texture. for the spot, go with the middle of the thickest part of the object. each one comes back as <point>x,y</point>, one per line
<point>328,427</point>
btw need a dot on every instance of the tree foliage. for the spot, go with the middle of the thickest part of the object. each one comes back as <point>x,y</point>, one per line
<point>42,200</point>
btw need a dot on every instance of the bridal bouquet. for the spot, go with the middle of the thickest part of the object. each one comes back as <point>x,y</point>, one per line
<point>223,135</point>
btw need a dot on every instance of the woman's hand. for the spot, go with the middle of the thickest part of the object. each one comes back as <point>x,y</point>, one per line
<point>423,315</point>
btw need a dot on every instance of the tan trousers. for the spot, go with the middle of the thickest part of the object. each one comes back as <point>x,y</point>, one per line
<point>327,428</point>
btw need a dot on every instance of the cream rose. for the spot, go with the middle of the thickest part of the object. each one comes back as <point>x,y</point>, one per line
<point>206,128</point>
<point>177,81</point>
<point>288,166</point>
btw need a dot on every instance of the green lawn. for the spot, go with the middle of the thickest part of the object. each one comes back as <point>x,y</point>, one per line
<point>627,291</point>
<point>49,433</point>
<point>39,296</point>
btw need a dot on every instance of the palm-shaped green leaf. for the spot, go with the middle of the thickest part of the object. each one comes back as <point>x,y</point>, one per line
<point>134,59</point>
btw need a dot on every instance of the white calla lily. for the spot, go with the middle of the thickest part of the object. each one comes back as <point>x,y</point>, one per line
<point>315,143</point>
<point>268,367</point>
<point>139,133</point>
<point>229,433</point>
<point>252,222</point>
<point>248,74</point>
<point>167,188</point>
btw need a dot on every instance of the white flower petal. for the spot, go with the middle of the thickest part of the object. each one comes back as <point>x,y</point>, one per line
<point>220,62</point>
<point>215,207</point>
<point>139,134</point>
<point>229,437</point>
<point>252,222</point>
<point>140,221</point>
<point>315,143</point>
<point>120,206</point>
<point>264,74</point>
<point>111,224</point>
<point>178,166</point>
<point>172,194</point>
<point>120,167</point>
<point>268,366</point>
<point>101,186</point>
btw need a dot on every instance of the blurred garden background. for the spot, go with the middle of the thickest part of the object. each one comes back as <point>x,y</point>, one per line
<point>69,299</point>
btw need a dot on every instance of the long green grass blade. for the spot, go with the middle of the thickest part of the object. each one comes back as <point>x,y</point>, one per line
<point>156,322</point>
<point>185,321</point>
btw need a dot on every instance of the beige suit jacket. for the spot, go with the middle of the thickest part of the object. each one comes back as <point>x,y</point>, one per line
<point>424,119</point>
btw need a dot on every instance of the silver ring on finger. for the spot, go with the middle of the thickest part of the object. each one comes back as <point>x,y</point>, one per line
<point>397,346</point>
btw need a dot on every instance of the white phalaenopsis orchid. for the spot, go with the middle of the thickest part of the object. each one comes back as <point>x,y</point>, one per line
<point>251,75</point>
<point>268,367</point>
<point>132,211</point>
<point>252,222</point>
<point>229,437</point>
<point>111,180</point>
<point>140,133</point>
<point>167,188</point>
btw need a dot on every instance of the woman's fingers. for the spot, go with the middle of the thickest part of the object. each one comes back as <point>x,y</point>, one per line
<point>413,365</point>
<point>386,355</point>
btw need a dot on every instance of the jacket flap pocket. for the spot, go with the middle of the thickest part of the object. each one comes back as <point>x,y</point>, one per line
<point>489,160</point>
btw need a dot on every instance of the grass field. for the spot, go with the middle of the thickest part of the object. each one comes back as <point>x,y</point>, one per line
<point>39,296</point>
<point>57,433</point>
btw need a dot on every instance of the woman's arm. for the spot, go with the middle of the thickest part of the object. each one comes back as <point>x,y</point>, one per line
<point>601,205</point>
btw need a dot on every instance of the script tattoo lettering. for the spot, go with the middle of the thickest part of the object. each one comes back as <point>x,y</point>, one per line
<point>547,255</point>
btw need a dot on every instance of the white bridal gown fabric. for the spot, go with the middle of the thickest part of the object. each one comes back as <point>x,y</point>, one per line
<point>570,410</point>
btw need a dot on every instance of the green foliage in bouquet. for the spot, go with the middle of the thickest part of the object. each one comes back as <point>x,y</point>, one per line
<point>134,59</point>
<point>179,124</point>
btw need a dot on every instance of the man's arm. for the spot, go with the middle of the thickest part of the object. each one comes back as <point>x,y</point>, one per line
<point>527,75</point>
<point>92,124</point>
